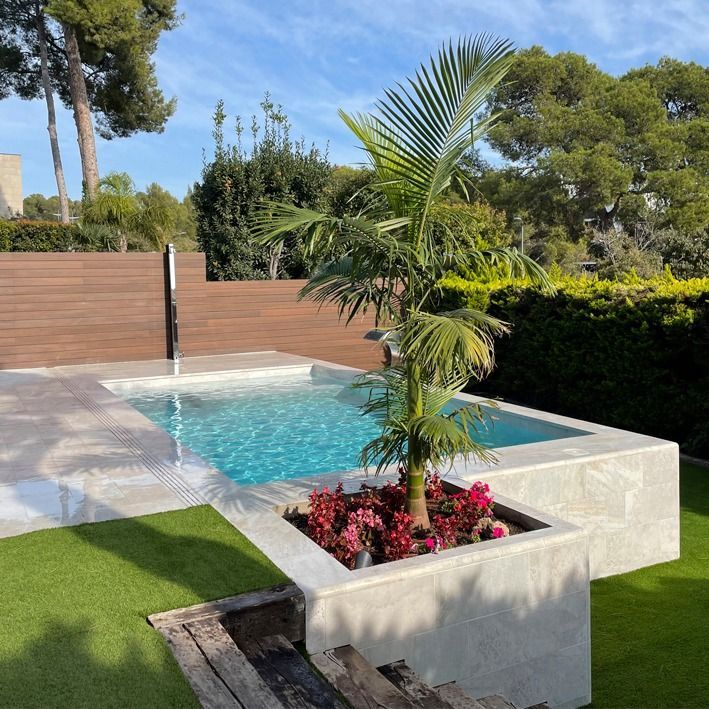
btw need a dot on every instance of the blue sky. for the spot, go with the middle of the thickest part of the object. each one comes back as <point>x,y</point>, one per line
<point>315,56</point>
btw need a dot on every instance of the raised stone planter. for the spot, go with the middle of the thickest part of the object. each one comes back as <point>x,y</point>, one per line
<point>507,616</point>
<point>621,487</point>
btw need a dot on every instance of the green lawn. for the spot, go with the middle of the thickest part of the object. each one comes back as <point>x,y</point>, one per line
<point>73,603</point>
<point>650,628</point>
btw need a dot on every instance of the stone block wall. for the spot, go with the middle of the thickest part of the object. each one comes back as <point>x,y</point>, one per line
<point>627,501</point>
<point>10,185</point>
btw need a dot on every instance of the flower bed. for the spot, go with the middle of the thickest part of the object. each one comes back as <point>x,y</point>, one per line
<point>374,520</point>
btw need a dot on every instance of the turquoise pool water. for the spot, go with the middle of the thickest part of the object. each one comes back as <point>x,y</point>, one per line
<point>262,430</point>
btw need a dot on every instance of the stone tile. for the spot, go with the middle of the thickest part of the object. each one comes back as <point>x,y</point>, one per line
<point>381,613</point>
<point>481,589</point>
<point>642,545</point>
<point>598,513</point>
<point>608,477</point>
<point>385,653</point>
<point>559,570</point>
<point>552,486</point>
<point>652,503</point>
<point>561,678</point>
<point>661,466</point>
<point>443,655</point>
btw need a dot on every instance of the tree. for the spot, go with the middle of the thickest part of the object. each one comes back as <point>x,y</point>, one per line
<point>347,190</point>
<point>117,206</point>
<point>472,226</point>
<point>107,46</point>
<point>38,207</point>
<point>236,181</point>
<point>392,263</point>
<point>686,254</point>
<point>24,71</point>
<point>584,146</point>
<point>177,224</point>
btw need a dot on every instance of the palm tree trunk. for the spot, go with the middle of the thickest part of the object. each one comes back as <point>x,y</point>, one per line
<point>415,484</point>
<point>274,261</point>
<point>82,112</point>
<point>51,117</point>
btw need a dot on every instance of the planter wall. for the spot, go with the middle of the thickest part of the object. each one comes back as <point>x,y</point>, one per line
<point>508,616</point>
<point>628,501</point>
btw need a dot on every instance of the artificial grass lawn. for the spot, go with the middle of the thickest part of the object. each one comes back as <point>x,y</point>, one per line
<point>650,628</point>
<point>73,604</point>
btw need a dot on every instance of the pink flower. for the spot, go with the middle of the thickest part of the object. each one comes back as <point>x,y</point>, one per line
<point>430,544</point>
<point>498,532</point>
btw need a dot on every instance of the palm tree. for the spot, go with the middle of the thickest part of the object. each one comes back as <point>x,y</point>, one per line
<point>117,206</point>
<point>414,142</point>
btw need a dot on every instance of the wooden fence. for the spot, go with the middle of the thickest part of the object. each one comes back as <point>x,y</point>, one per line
<point>61,308</point>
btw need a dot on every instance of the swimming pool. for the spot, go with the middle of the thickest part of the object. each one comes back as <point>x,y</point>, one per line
<point>278,428</point>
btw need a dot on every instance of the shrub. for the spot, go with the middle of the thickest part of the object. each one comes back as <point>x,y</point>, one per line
<point>375,520</point>
<point>630,353</point>
<point>39,236</point>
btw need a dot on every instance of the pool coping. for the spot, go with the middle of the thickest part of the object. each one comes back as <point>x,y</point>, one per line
<point>619,486</point>
<point>603,442</point>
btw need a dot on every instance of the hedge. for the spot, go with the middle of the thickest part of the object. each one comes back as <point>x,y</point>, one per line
<point>38,236</point>
<point>633,355</point>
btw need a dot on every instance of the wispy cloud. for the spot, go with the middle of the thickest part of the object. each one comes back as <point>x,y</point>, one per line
<point>318,55</point>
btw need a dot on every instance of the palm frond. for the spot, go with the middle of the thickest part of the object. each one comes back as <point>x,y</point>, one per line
<point>439,432</point>
<point>518,265</point>
<point>423,128</point>
<point>340,282</point>
<point>458,342</point>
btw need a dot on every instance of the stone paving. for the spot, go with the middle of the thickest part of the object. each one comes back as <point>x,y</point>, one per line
<point>64,460</point>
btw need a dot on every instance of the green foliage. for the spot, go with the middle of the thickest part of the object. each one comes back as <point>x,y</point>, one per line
<point>473,226</point>
<point>75,601</point>
<point>38,207</point>
<point>628,353</point>
<point>19,50</point>
<point>392,257</point>
<point>237,181</point>
<point>348,190</point>
<point>40,236</point>
<point>581,144</point>
<point>177,220</point>
<point>117,39</point>
<point>443,434</point>
<point>686,254</point>
<point>142,222</point>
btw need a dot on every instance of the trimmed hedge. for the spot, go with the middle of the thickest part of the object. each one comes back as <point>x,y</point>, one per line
<point>632,354</point>
<point>38,236</point>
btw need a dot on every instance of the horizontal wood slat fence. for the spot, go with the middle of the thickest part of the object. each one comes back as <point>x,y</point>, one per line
<point>63,308</point>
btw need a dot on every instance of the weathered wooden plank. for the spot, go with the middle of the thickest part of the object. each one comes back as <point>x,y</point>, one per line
<point>231,665</point>
<point>412,686</point>
<point>288,674</point>
<point>496,701</point>
<point>280,609</point>
<point>210,691</point>
<point>456,697</point>
<point>360,683</point>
